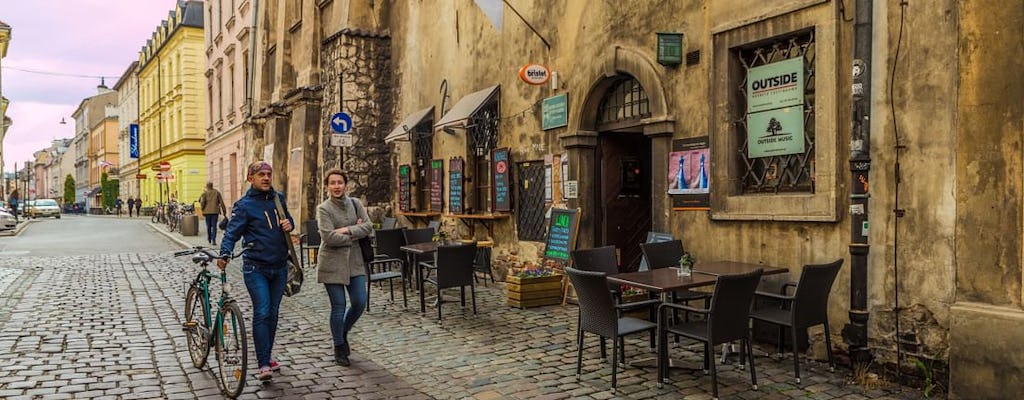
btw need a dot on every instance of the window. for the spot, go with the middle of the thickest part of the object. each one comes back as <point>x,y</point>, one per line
<point>231,89</point>
<point>625,102</point>
<point>482,137</point>
<point>209,106</point>
<point>220,95</point>
<point>781,173</point>
<point>423,151</point>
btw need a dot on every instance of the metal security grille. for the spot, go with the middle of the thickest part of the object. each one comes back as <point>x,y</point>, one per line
<point>423,140</point>
<point>530,195</point>
<point>483,137</point>
<point>784,173</point>
<point>624,101</point>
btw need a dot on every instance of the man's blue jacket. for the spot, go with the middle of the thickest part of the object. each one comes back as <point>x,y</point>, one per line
<point>254,219</point>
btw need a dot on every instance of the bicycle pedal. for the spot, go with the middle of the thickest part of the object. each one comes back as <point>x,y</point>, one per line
<point>189,325</point>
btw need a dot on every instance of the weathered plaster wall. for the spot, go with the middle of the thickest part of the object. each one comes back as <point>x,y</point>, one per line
<point>987,317</point>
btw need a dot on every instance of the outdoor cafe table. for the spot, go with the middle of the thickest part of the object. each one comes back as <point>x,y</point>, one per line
<point>413,253</point>
<point>666,280</point>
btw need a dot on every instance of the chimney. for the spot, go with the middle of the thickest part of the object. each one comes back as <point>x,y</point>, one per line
<point>102,88</point>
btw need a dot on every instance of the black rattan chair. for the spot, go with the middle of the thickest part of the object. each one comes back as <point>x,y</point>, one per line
<point>388,256</point>
<point>808,306</point>
<point>453,269</point>
<point>667,254</point>
<point>309,241</point>
<point>726,320</point>
<point>599,259</point>
<point>600,315</point>
<point>389,223</point>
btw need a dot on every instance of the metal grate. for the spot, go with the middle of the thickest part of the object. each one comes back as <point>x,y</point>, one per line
<point>530,194</point>
<point>625,100</point>
<point>784,173</point>
<point>483,131</point>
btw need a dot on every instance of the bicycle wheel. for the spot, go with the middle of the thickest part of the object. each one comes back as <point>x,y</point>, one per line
<point>197,333</point>
<point>232,350</point>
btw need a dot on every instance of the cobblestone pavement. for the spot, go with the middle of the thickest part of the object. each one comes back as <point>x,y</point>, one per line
<point>108,327</point>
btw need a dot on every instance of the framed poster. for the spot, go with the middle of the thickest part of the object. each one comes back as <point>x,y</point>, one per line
<point>689,174</point>
<point>455,181</point>
<point>501,179</point>
<point>436,185</point>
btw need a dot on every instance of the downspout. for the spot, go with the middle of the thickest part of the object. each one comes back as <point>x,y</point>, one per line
<point>855,333</point>
<point>252,58</point>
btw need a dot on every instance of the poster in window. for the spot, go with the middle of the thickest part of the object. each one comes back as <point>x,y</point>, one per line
<point>501,181</point>
<point>565,179</point>
<point>455,180</point>
<point>403,187</point>
<point>436,185</point>
<point>689,173</point>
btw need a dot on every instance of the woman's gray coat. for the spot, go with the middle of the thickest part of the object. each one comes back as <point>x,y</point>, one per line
<point>340,258</point>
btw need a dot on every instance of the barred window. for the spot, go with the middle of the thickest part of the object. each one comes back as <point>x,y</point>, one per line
<point>624,102</point>
<point>423,151</point>
<point>786,172</point>
<point>482,134</point>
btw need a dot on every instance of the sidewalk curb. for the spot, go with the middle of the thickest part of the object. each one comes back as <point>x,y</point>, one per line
<point>171,236</point>
<point>22,224</point>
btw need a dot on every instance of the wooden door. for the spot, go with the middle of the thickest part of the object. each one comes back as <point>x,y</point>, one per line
<point>623,209</point>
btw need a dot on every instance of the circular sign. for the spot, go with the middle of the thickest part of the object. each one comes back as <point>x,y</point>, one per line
<point>165,166</point>
<point>501,167</point>
<point>534,74</point>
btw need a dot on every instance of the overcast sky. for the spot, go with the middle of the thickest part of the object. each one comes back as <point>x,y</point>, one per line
<point>80,37</point>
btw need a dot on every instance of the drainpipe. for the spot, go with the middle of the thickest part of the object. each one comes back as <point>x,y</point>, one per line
<point>855,333</point>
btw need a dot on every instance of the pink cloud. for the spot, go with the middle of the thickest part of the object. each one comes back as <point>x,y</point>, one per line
<point>82,37</point>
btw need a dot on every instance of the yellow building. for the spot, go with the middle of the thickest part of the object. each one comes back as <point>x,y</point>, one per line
<point>171,104</point>
<point>103,155</point>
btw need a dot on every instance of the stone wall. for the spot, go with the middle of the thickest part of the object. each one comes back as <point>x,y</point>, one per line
<point>362,61</point>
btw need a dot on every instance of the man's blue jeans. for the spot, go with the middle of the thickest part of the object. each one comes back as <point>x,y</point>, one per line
<point>342,321</point>
<point>266,287</point>
<point>211,227</point>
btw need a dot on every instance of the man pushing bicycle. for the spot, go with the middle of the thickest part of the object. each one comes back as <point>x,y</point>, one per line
<point>255,219</point>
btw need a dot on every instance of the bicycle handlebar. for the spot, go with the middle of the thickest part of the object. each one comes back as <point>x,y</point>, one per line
<point>211,255</point>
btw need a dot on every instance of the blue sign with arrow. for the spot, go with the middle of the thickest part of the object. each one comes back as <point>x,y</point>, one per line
<point>341,122</point>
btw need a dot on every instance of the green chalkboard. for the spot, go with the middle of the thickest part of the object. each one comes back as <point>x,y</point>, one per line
<point>563,226</point>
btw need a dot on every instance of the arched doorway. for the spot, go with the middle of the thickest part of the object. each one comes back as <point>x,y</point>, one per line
<point>622,173</point>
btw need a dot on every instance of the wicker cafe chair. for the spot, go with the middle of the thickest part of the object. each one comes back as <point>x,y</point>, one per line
<point>389,223</point>
<point>454,269</point>
<point>599,315</point>
<point>808,307</point>
<point>387,257</point>
<point>599,259</point>
<point>727,320</point>
<point>309,241</point>
<point>667,254</point>
<point>413,236</point>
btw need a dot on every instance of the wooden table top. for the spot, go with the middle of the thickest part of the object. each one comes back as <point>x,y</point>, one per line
<point>428,247</point>
<point>704,274</point>
<point>733,267</point>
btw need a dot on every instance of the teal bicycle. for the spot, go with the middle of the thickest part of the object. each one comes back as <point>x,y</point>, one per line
<point>224,331</point>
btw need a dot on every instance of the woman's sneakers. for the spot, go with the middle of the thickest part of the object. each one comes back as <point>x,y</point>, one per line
<point>341,355</point>
<point>265,374</point>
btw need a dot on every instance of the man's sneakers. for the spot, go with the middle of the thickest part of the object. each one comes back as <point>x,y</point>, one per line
<point>265,374</point>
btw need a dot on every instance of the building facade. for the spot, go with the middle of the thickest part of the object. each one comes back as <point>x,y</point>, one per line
<point>5,122</point>
<point>103,153</point>
<point>690,141</point>
<point>127,89</point>
<point>90,115</point>
<point>229,39</point>
<point>172,108</point>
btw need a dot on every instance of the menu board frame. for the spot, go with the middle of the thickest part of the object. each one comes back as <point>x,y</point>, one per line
<point>456,185</point>
<point>436,171</point>
<point>571,224</point>
<point>501,179</point>
<point>404,187</point>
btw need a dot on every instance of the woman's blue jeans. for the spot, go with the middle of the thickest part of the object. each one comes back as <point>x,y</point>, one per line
<point>266,287</point>
<point>342,320</point>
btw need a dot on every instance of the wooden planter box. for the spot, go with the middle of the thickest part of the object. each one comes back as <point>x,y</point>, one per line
<point>534,292</point>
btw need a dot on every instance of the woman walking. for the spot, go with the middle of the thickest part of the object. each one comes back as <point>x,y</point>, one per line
<point>342,221</point>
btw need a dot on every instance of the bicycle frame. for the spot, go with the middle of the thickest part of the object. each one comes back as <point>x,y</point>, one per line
<point>202,281</point>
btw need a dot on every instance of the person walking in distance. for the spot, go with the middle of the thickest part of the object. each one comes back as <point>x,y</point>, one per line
<point>13,199</point>
<point>211,203</point>
<point>255,220</point>
<point>138,207</point>
<point>342,220</point>
<point>118,204</point>
<point>131,204</point>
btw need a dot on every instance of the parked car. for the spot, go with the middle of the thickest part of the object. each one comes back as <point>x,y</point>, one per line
<point>43,208</point>
<point>7,221</point>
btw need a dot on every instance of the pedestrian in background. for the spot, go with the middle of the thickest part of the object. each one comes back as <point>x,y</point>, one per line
<point>138,207</point>
<point>211,203</point>
<point>131,204</point>
<point>255,220</point>
<point>118,204</point>
<point>340,267</point>
<point>13,199</point>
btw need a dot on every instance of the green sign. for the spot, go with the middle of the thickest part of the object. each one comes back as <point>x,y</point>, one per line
<point>775,132</point>
<point>670,48</point>
<point>555,112</point>
<point>776,85</point>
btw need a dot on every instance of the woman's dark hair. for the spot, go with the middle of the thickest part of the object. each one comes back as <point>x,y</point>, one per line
<point>335,171</point>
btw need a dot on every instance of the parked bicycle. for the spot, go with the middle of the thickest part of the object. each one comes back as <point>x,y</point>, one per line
<point>158,214</point>
<point>224,331</point>
<point>173,216</point>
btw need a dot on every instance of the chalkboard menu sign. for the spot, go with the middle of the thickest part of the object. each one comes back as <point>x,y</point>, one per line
<point>455,179</point>
<point>501,171</point>
<point>404,200</point>
<point>436,185</point>
<point>562,229</point>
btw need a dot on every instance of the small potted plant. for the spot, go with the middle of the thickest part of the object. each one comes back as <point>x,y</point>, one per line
<point>686,264</point>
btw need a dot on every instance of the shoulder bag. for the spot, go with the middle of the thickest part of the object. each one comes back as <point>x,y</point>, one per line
<point>295,278</point>
<point>365,246</point>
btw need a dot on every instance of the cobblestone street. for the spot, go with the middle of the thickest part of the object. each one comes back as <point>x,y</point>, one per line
<point>108,326</point>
